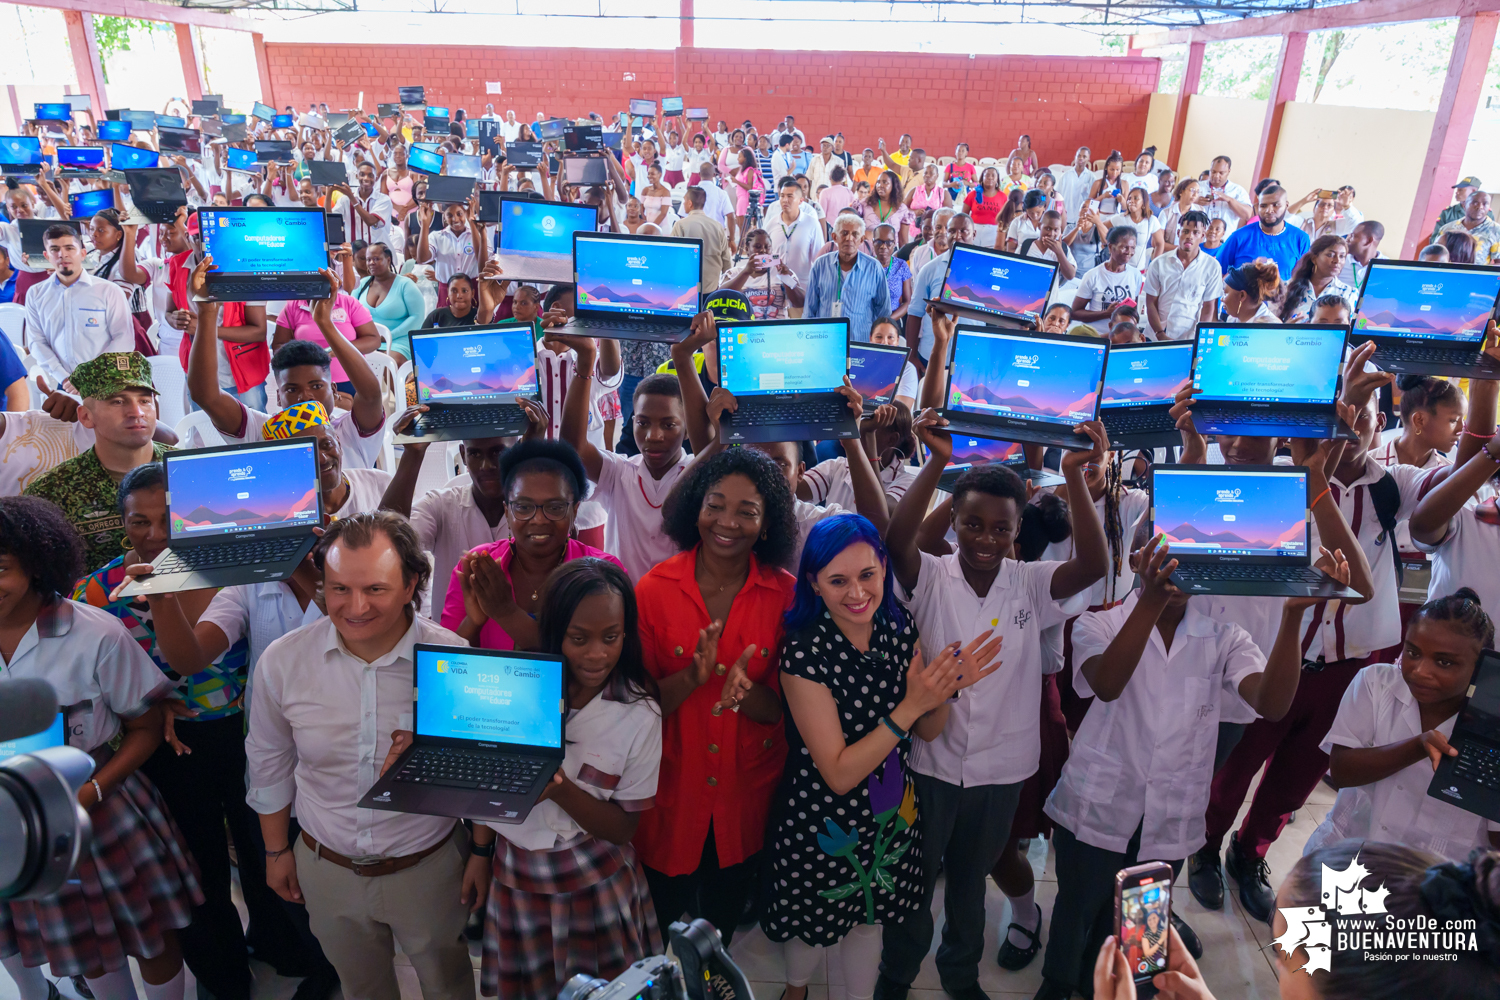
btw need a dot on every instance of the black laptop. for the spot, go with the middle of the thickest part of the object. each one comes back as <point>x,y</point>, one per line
<point>970,452</point>
<point>1428,318</point>
<point>1239,529</point>
<point>446,190</point>
<point>156,193</point>
<point>237,514</point>
<point>488,734</point>
<point>991,286</point>
<point>1269,380</point>
<point>1018,385</point>
<point>470,378</point>
<point>875,370</point>
<point>1140,386</point>
<point>326,173</point>
<point>785,375</point>
<point>635,287</point>
<point>1471,781</point>
<point>33,231</point>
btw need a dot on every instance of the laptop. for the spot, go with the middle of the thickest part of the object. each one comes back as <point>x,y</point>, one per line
<point>411,97</point>
<point>487,732</point>
<point>583,138</point>
<point>449,190</point>
<point>265,253</point>
<point>262,111</point>
<point>273,151</point>
<point>535,240</point>
<point>113,131</point>
<point>875,370</point>
<point>465,166</point>
<point>33,246</point>
<point>584,171</point>
<point>424,161</point>
<point>205,108</point>
<point>524,155</point>
<point>87,204</point>
<point>436,119</point>
<point>1140,386</point>
<point>1268,380</point>
<point>970,451</point>
<point>348,133</point>
<point>995,287</point>
<point>156,194</point>
<point>1471,781</point>
<point>140,121</point>
<point>59,112</point>
<point>123,156</point>
<point>180,140</point>
<point>80,161</point>
<point>470,378</point>
<point>1239,529</point>
<point>785,375</point>
<point>635,287</point>
<point>243,160</point>
<point>20,154</point>
<point>327,172</point>
<point>171,121</point>
<point>1428,318</point>
<point>237,514</point>
<point>1024,386</point>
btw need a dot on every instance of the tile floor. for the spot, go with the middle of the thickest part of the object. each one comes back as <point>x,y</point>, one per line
<point>1236,962</point>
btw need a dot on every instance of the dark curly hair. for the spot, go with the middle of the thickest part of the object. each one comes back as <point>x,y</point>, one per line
<point>1464,613</point>
<point>296,353</point>
<point>679,514</point>
<point>40,537</point>
<point>142,477</point>
<point>544,456</point>
<point>993,478</point>
<point>1043,523</point>
<point>565,589</point>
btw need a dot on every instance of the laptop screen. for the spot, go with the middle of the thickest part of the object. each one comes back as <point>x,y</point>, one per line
<point>242,159</point>
<point>264,241</point>
<point>780,358</point>
<point>469,365</point>
<point>1005,375</point>
<point>1427,303</point>
<point>1270,364</point>
<point>219,493</point>
<point>424,161</point>
<point>466,694</point>
<point>124,157</point>
<point>1218,511</point>
<point>465,166</point>
<point>543,229</point>
<point>1147,375</point>
<point>20,149</point>
<point>53,112</point>
<point>114,131</point>
<point>87,204</point>
<point>80,156</point>
<point>52,736</point>
<point>971,451</point>
<point>875,370</point>
<point>1482,711</point>
<point>1010,286</point>
<point>637,277</point>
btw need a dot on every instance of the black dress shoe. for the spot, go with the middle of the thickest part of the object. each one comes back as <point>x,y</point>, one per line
<point>1053,990</point>
<point>1189,937</point>
<point>1205,879</point>
<point>1014,959</point>
<point>1254,878</point>
<point>887,988</point>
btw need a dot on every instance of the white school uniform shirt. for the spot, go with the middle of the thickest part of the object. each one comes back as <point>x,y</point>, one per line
<point>1377,710</point>
<point>1147,758</point>
<point>1220,209</point>
<point>356,226</point>
<point>448,524</point>
<point>807,515</point>
<point>634,534</point>
<point>100,674</point>
<point>613,754</point>
<point>1113,587</point>
<point>321,729</point>
<point>1181,290</point>
<point>1466,557</point>
<point>1386,455</point>
<point>830,482</point>
<point>555,378</point>
<point>992,736</point>
<point>360,449</point>
<point>262,611</point>
<point>452,254</point>
<point>33,442</point>
<point>67,325</point>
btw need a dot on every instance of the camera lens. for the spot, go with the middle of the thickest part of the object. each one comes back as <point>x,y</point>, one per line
<point>581,987</point>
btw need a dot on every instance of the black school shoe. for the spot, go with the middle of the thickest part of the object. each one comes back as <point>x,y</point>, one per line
<point>1189,937</point>
<point>1253,876</point>
<point>887,988</point>
<point>1053,990</point>
<point>1205,878</point>
<point>1015,959</point>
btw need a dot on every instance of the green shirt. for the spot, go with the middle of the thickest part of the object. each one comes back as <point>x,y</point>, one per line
<point>89,496</point>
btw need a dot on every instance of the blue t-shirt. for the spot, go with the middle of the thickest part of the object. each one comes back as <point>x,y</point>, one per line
<point>1249,242</point>
<point>10,365</point>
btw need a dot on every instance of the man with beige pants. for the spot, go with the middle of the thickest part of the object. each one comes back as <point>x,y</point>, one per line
<point>327,698</point>
<point>696,225</point>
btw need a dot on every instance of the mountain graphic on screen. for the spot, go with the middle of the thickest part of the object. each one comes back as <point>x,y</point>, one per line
<point>485,382</point>
<point>604,295</point>
<point>985,297</point>
<point>1230,540</point>
<point>1387,318</point>
<point>241,516</point>
<point>1116,394</point>
<point>983,394</point>
<point>982,455</point>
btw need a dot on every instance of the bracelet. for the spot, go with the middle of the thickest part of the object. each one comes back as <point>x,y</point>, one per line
<point>1476,434</point>
<point>482,850</point>
<point>1491,455</point>
<point>889,723</point>
<point>1320,496</point>
<point>98,792</point>
<point>273,855</point>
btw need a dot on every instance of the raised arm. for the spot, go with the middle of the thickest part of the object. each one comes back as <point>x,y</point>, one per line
<point>903,530</point>
<point>869,495</point>
<point>1110,671</point>
<point>575,416</point>
<point>1090,550</point>
<point>694,400</point>
<point>368,410</point>
<point>203,358</point>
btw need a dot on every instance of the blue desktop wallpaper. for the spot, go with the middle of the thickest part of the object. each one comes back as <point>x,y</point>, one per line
<point>875,372</point>
<point>20,149</point>
<point>246,490</point>
<point>536,229</point>
<point>797,357</point>
<point>475,366</point>
<point>473,696</point>
<point>264,242</point>
<point>52,736</point>
<point>125,157</point>
<point>112,131</point>
<point>1136,378</point>
<point>1427,302</point>
<point>80,156</point>
<point>1009,376</point>
<point>639,277</point>
<point>242,159</point>
<point>1220,511</point>
<point>1287,364</point>
<point>998,284</point>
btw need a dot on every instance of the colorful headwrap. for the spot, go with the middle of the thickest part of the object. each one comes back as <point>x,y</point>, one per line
<point>294,419</point>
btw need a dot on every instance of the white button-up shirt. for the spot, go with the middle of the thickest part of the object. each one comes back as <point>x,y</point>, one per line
<point>1260,617</point>
<point>452,254</point>
<point>992,736</point>
<point>321,729</point>
<point>634,533</point>
<point>67,325</point>
<point>356,226</point>
<point>1148,756</point>
<point>448,524</point>
<point>1181,289</point>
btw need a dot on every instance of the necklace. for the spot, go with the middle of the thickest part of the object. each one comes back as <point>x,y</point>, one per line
<point>536,591</point>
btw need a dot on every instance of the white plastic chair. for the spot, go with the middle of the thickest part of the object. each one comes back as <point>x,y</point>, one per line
<point>32,371</point>
<point>437,470</point>
<point>13,321</point>
<point>988,161</point>
<point>197,430</point>
<point>171,387</point>
<point>385,336</point>
<point>403,375</point>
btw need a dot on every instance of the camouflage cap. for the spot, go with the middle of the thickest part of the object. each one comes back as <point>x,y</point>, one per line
<point>111,373</point>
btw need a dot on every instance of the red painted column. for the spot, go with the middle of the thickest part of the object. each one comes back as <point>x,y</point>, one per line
<point>189,56</point>
<point>1467,65</point>
<point>86,62</point>
<point>263,65</point>
<point>1283,91</point>
<point>685,24</point>
<point>1190,76</point>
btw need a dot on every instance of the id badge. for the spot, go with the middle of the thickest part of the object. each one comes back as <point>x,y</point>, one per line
<point>838,308</point>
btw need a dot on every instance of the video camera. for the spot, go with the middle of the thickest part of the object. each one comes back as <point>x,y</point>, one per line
<point>703,971</point>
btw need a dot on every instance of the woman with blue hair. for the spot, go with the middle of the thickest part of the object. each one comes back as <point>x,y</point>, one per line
<point>844,852</point>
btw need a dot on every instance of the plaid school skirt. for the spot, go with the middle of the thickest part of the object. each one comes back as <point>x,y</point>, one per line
<point>553,914</point>
<point>136,880</point>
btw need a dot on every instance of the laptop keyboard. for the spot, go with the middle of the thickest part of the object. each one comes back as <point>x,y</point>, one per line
<point>467,416</point>
<point>1139,421</point>
<point>1467,357</point>
<point>452,767</point>
<point>789,412</point>
<point>608,327</point>
<point>262,289</point>
<point>200,557</point>
<point>1478,763</point>
<point>1268,417</point>
<point>1271,574</point>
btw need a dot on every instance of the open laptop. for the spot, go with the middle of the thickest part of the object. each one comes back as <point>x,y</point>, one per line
<point>875,370</point>
<point>1428,318</point>
<point>33,246</point>
<point>970,451</point>
<point>1268,380</point>
<point>20,154</point>
<point>87,204</point>
<point>123,156</point>
<point>447,190</point>
<point>265,253</point>
<point>80,161</point>
<point>1471,781</point>
<point>785,375</point>
<point>487,735</point>
<point>995,287</point>
<point>237,514</point>
<point>1239,529</point>
<point>1140,385</point>
<point>635,287</point>
<point>535,241</point>
<point>1024,386</point>
<point>180,140</point>
<point>326,173</point>
<point>470,377</point>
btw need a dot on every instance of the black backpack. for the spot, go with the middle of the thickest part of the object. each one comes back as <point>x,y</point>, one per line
<point>1385,496</point>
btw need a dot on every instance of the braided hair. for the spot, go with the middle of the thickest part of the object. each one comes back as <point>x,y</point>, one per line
<point>1462,609</point>
<point>1114,530</point>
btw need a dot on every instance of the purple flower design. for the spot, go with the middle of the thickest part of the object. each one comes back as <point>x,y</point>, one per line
<point>887,785</point>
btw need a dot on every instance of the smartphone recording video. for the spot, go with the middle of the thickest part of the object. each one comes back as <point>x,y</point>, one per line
<point>1143,911</point>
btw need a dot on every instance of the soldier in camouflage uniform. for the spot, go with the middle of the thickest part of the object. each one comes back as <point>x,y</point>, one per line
<point>119,406</point>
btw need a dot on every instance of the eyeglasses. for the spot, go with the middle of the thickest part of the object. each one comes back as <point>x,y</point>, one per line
<point>885,243</point>
<point>525,510</point>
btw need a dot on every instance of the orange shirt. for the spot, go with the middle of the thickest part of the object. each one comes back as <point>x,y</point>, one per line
<point>870,173</point>
<point>720,770</point>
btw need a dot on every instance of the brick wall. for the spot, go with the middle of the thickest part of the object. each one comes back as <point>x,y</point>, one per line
<point>941,99</point>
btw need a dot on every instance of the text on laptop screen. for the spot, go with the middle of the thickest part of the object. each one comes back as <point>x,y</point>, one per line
<point>637,277</point>
<point>875,372</point>
<point>1427,303</point>
<point>1000,375</point>
<point>969,451</point>
<point>20,149</point>
<point>80,156</point>
<point>537,229</point>
<point>1143,377</point>
<point>262,242</point>
<point>472,696</point>
<point>52,736</point>
<point>791,357</point>
<point>469,366</point>
<point>229,492</point>
<point>1007,285</point>
<point>1220,512</point>
<point>1281,364</point>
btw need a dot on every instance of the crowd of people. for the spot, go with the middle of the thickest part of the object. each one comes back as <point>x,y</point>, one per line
<point>803,684</point>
